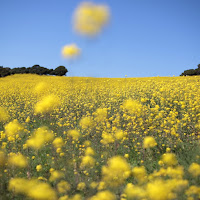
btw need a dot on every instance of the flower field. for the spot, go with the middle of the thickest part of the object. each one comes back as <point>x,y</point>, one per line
<point>73,138</point>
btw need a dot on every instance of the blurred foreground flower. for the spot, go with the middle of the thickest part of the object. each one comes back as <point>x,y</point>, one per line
<point>41,136</point>
<point>32,188</point>
<point>90,18</point>
<point>47,104</point>
<point>149,142</point>
<point>17,160</point>
<point>116,172</point>
<point>70,51</point>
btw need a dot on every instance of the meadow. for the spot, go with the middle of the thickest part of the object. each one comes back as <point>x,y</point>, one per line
<point>76,138</point>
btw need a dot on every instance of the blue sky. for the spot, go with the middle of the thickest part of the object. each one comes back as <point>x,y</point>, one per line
<point>145,38</point>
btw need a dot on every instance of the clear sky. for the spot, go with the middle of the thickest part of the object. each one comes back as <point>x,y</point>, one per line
<point>145,37</point>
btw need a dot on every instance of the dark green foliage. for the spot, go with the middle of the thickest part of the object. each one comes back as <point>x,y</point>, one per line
<point>60,71</point>
<point>191,72</point>
<point>35,69</point>
<point>4,71</point>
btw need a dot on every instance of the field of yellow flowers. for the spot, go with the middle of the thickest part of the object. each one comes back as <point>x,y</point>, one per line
<point>73,138</point>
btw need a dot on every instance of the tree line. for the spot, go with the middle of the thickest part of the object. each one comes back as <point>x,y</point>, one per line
<point>35,69</point>
<point>192,72</point>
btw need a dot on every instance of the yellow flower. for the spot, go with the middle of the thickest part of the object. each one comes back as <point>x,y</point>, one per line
<point>13,128</point>
<point>55,175</point>
<point>101,114</point>
<point>89,151</point>
<point>90,18</point>
<point>17,160</point>
<point>117,171</point>
<point>104,195</point>
<point>65,197</point>
<point>169,159</point>
<point>194,169</point>
<point>149,142</point>
<point>40,136</point>
<point>18,185</point>
<point>39,168</point>
<point>87,161</point>
<point>159,190</point>
<point>86,122</point>
<point>107,138</point>
<point>119,134</point>
<point>40,87</point>
<point>58,142</point>
<point>74,134</point>
<point>134,192</point>
<point>139,173</point>
<point>47,104</point>
<point>132,106</point>
<point>41,191</point>
<point>63,186</point>
<point>70,51</point>
<point>81,186</point>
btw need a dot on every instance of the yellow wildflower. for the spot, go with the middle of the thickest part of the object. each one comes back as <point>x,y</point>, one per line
<point>17,160</point>
<point>140,173</point>
<point>81,186</point>
<point>90,18</point>
<point>55,175</point>
<point>13,128</point>
<point>70,51</point>
<point>75,134</point>
<point>149,142</point>
<point>40,136</point>
<point>58,142</point>
<point>194,169</point>
<point>104,195</point>
<point>117,171</point>
<point>63,186</point>
<point>47,104</point>
<point>169,159</point>
<point>87,161</point>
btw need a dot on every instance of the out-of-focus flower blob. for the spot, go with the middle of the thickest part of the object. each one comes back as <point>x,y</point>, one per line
<point>89,18</point>
<point>70,51</point>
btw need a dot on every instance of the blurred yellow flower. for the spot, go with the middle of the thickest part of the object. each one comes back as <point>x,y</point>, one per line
<point>70,51</point>
<point>169,159</point>
<point>40,136</point>
<point>75,134</point>
<point>90,18</point>
<point>104,195</point>
<point>63,186</point>
<point>134,192</point>
<point>13,128</point>
<point>55,175</point>
<point>139,173</point>
<point>81,186</point>
<point>194,169</point>
<point>17,160</point>
<point>39,168</point>
<point>47,104</point>
<point>149,142</point>
<point>87,161</point>
<point>117,171</point>
<point>58,142</point>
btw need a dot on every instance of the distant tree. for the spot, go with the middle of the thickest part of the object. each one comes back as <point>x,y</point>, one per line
<point>35,69</point>
<point>4,71</point>
<point>60,71</point>
<point>191,72</point>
